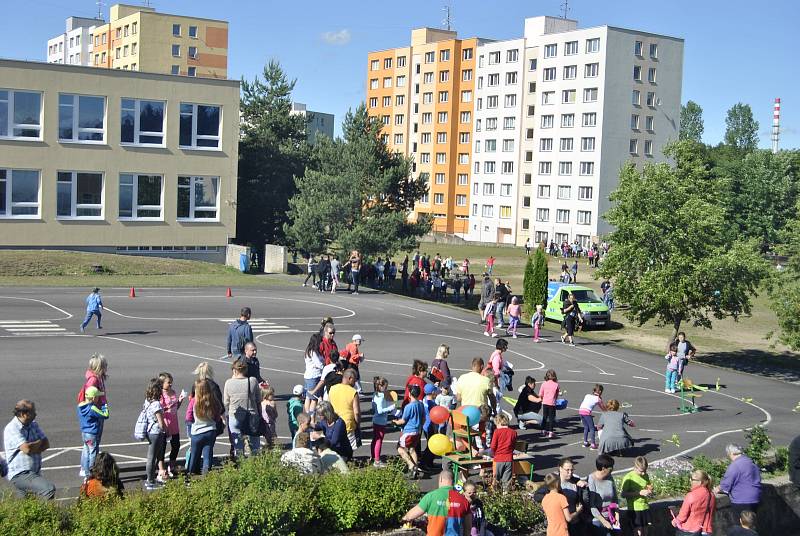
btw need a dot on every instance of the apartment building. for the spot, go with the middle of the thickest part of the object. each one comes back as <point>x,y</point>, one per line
<point>316,122</point>
<point>423,94</point>
<point>138,38</point>
<point>72,47</point>
<point>115,161</point>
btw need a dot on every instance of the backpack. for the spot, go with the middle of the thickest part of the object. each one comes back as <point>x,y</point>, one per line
<point>142,428</point>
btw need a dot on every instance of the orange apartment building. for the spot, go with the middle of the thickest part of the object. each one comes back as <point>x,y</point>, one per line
<point>424,94</point>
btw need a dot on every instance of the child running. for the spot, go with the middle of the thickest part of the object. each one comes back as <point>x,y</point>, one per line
<point>269,412</point>
<point>674,369</point>
<point>382,407</point>
<point>548,393</point>
<point>556,507</point>
<point>513,311</point>
<point>537,321</point>
<point>488,316</point>
<point>590,401</point>
<point>637,490</point>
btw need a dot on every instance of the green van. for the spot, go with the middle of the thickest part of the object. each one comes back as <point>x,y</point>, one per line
<point>595,312</point>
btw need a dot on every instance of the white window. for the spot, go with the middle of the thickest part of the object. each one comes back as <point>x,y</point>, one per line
<point>81,118</point>
<point>385,119</point>
<point>651,99</point>
<point>543,191</point>
<point>541,237</point>
<point>400,81</point>
<point>568,96</point>
<point>466,96</point>
<point>570,48</point>
<point>505,190</point>
<point>491,123</point>
<point>387,81</point>
<point>651,75</point>
<point>427,78</point>
<point>489,167</point>
<point>585,193</point>
<point>399,100</point>
<point>567,120</point>
<point>463,158</point>
<point>466,75</point>
<point>438,199</point>
<point>465,117</point>
<point>648,123</point>
<point>467,54</point>
<point>427,97</point>
<point>587,144</point>
<point>398,139</point>
<point>593,45</point>
<point>532,64</point>
<point>635,121</point>
<point>474,209</point>
<point>430,57</point>
<point>176,30</point>
<point>587,168</point>
<point>401,61</point>
<point>441,158</point>
<point>529,155</point>
<point>133,49</point>
<point>461,200</point>
<point>547,121</point>
<point>425,158</point>
<point>531,87</point>
<point>512,55</point>
<point>648,147</point>
<point>494,79</point>
<point>441,137</point>
<point>141,197</point>
<point>564,192</point>
<point>487,211</point>
<point>192,32</point>
<point>543,214</point>
<point>399,119</point>
<point>528,133</point>
<point>480,103</point>
<point>193,52</point>
<point>176,51</point>
<point>200,126</point>
<point>191,71</point>
<point>176,70</point>
<point>494,58</point>
<point>426,138</point>
<point>477,124</point>
<point>463,137</point>
<point>463,179</point>
<point>562,216</point>
<point>636,97</point>
<point>654,51</point>
<point>20,114</point>
<point>491,146</point>
<point>565,168</point>
<point>510,101</point>
<point>591,70</point>
<point>584,217</point>
<point>387,63</point>
<point>492,101</point>
<point>373,84</point>
<point>590,94</point>
<point>79,195</point>
<point>511,78</point>
<point>633,146</point>
<point>548,97</point>
<point>505,212</point>
<point>637,73</point>
<point>134,28</point>
<point>142,122</point>
<point>508,146</point>
<point>444,76</point>
<point>198,198</point>
<point>546,144</point>
<point>507,168</point>
<point>526,201</point>
<point>545,168</point>
<point>442,117</point>
<point>509,123</point>
<point>444,96</point>
<point>488,188</point>
<point>549,74</point>
<point>565,144</point>
<point>425,199</point>
<point>637,48</point>
<point>476,188</point>
<point>570,72</point>
<point>19,193</point>
<point>444,55</point>
<point>550,51</point>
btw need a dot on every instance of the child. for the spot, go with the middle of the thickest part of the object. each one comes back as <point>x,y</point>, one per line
<point>548,393</point>
<point>411,421</point>
<point>156,435</point>
<point>303,426</point>
<point>488,316</point>
<point>476,510</point>
<point>503,440</point>
<point>447,400</point>
<point>429,428</point>
<point>556,507</point>
<point>637,489</point>
<point>674,369</point>
<point>353,356</point>
<point>270,415</point>
<point>293,407</point>
<point>104,480</point>
<point>589,402</point>
<point>747,522</point>
<point>484,429</point>
<point>170,402</point>
<point>90,417</point>
<point>513,311</point>
<point>537,320</point>
<point>382,406</point>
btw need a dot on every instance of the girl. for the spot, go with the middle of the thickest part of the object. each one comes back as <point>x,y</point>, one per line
<point>382,406</point>
<point>537,320</point>
<point>589,402</point>
<point>488,316</point>
<point>170,402</point>
<point>513,313</point>
<point>419,369</point>
<point>155,434</point>
<point>548,393</point>
<point>637,489</point>
<point>207,411</point>
<point>446,399</point>
<point>103,478</point>
<point>312,377</point>
<point>270,414</point>
<point>674,369</point>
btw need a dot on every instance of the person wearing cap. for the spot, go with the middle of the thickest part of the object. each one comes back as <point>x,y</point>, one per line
<point>344,399</point>
<point>294,406</point>
<point>91,414</point>
<point>94,307</point>
<point>24,442</point>
<point>352,357</point>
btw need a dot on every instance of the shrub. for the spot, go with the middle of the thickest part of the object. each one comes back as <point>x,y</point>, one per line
<point>715,468</point>
<point>514,511</point>
<point>758,444</point>
<point>781,459</point>
<point>669,485</point>
<point>32,517</point>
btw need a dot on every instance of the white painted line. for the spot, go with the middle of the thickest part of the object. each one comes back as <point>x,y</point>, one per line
<point>696,431</point>
<point>648,430</point>
<point>640,377</point>
<point>208,344</point>
<point>409,316</point>
<point>575,371</point>
<point>607,373</point>
<point>54,328</point>
<point>68,315</point>
<point>23,322</point>
<point>440,323</point>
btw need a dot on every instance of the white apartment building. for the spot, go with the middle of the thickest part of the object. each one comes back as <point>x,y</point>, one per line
<point>72,47</point>
<point>496,133</point>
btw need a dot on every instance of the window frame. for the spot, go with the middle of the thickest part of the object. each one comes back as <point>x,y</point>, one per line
<point>8,181</point>
<point>135,207</point>
<point>76,129</point>
<point>195,135</point>
<point>137,133</point>
<point>74,205</point>
<point>11,125</point>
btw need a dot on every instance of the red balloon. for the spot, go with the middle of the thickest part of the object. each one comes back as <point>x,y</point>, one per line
<point>439,414</point>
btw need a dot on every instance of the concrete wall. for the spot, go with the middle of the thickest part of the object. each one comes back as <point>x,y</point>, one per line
<point>232,254</point>
<point>275,259</point>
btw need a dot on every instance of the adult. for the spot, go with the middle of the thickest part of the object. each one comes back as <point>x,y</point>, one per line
<point>404,275</point>
<point>602,493</point>
<point>419,369</point>
<point>311,273</point>
<point>465,266</point>
<point>741,481</point>
<point>95,376</point>
<point>24,442</point>
<point>327,346</point>
<point>94,307</point>
<point>686,350</point>
<point>440,363</point>
<point>324,271</point>
<point>239,334</point>
<point>336,266</point>
<point>573,270</point>
<point>312,376</point>
<point>252,362</point>
<point>497,364</point>
<point>490,264</point>
<point>794,461</point>
<point>504,292</point>
<point>528,246</point>
<point>487,294</point>
<point>697,511</point>
<point>572,487</point>
<point>529,406</point>
<point>301,456</point>
<point>608,297</point>
<point>448,511</point>
<point>475,389</point>
<point>207,412</point>
<point>572,315</point>
<point>333,428</point>
<point>355,269</point>
<point>203,371</point>
<point>612,422</point>
<point>344,399</point>
<point>241,396</point>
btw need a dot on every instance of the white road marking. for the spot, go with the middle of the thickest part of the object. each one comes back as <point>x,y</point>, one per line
<point>23,322</point>
<point>435,322</point>
<point>640,378</point>
<point>575,371</point>
<point>409,316</point>
<point>648,430</point>
<point>67,317</point>
<point>208,344</point>
<point>696,431</point>
<point>51,328</point>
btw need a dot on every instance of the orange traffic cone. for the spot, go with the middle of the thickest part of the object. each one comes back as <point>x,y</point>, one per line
<point>229,294</point>
<point>133,293</point>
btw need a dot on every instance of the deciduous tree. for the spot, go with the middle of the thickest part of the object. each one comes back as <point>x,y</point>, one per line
<point>741,129</point>
<point>535,280</point>
<point>691,122</point>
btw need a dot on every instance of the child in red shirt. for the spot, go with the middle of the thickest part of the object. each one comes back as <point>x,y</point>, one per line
<point>353,356</point>
<point>503,441</point>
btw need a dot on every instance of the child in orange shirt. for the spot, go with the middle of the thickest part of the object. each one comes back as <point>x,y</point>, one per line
<point>353,356</point>
<point>556,507</point>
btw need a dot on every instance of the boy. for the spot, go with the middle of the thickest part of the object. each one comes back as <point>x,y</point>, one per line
<point>502,446</point>
<point>352,356</point>
<point>411,421</point>
<point>636,488</point>
<point>91,418</point>
<point>294,407</point>
<point>556,507</point>
<point>429,402</point>
<point>747,522</point>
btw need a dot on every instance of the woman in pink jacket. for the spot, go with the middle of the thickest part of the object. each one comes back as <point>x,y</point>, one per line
<point>697,510</point>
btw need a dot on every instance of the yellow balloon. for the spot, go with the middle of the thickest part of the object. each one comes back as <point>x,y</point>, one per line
<point>439,444</point>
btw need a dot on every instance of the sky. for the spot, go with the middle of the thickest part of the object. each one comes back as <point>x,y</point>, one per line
<point>735,50</point>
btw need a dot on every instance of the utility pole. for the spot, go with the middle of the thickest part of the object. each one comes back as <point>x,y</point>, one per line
<point>99,9</point>
<point>564,9</point>
<point>448,20</point>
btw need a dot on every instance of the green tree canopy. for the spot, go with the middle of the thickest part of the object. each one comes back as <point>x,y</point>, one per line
<point>785,290</point>
<point>741,129</point>
<point>534,284</point>
<point>691,122</point>
<point>674,257</point>
<point>356,194</point>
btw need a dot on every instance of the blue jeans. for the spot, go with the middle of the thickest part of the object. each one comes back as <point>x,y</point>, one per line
<point>88,318</point>
<point>91,446</point>
<point>589,431</point>
<point>671,379</point>
<point>202,447</point>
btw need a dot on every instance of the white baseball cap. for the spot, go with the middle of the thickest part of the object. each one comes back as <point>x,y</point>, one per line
<point>358,337</point>
<point>297,390</point>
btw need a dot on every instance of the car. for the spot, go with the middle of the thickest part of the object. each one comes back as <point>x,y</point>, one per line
<point>595,312</point>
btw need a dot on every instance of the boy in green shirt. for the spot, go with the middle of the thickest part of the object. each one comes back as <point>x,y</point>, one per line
<point>637,489</point>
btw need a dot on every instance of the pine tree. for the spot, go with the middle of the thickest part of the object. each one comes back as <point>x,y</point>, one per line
<point>535,281</point>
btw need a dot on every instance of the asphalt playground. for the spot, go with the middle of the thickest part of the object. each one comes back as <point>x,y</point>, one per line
<point>43,357</point>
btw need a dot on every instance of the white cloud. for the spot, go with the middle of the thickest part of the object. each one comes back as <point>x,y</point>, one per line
<point>342,37</point>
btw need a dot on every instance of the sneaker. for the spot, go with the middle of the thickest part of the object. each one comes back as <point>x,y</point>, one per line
<point>667,390</point>
<point>82,473</point>
<point>99,327</point>
<point>355,293</point>
<point>521,425</point>
<point>304,285</point>
<point>551,435</point>
<point>151,486</point>
<point>379,464</point>
<point>514,336</point>
<point>572,344</point>
<point>535,340</point>
<point>563,339</point>
<point>494,334</point>
<point>592,447</point>
<point>82,329</point>
<point>585,444</point>
<point>486,333</point>
<point>161,479</point>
